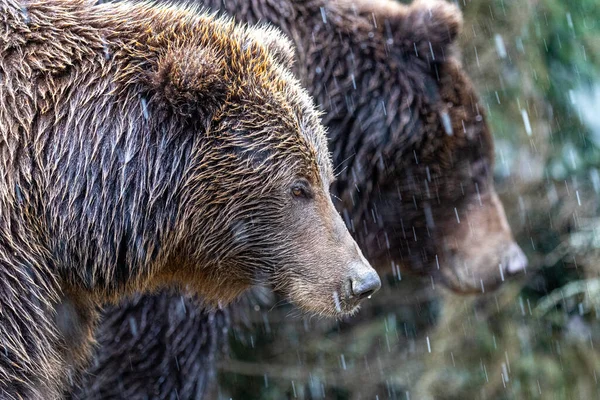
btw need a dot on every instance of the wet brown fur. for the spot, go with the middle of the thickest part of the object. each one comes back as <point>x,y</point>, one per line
<point>142,147</point>
<point>385,74</point>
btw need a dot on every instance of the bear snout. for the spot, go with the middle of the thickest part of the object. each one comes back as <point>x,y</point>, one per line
<point>364,281</point>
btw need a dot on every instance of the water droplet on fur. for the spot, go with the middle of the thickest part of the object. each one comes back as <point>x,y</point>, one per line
<point>323,15</point>
<point>145,108</point>
<point>25,13</point>
<point>106,50</point>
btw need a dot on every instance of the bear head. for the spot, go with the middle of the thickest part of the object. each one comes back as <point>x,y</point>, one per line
<point>253,203</point>
<point>416,149</point>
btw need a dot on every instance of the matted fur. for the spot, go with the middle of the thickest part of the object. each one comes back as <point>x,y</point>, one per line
<point>144,146</point>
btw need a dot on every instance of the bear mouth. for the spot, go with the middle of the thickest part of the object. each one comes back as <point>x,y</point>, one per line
<point>349,304</point>
<point>455,281</point>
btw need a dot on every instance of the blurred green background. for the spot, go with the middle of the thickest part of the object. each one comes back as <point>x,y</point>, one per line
<point>539,336</point>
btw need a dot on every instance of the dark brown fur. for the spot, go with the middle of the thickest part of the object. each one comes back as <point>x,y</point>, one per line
<point>143,147</point>
<point>165,354</point>
<point>388,79</point>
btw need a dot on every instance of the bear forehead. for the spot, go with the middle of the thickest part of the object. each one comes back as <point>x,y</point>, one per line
<point>250,73</point>
<point>264,80</point>
<point>287,119</point>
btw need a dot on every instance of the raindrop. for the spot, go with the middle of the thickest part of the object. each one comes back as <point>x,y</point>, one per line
<point>570,20</point>
<point>145,108</point>
<point>522,306</point>
<point>336,300</point>
<point>133,326</point>
<point>595,177</point>
<point>505,377</point>
<point>526,122</point>
<point>447,123</point>
<point>520,45</point>
<point>343,361</point>
<point>25,13</point>
<point>18,194</point>
<point>323,15</point>
<point>500,47</point>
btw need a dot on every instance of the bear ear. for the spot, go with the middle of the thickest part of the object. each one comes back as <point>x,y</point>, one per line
<point>278,45</point>
<point>189,81</point>
<point>435,25</point>
<point>426,27</point>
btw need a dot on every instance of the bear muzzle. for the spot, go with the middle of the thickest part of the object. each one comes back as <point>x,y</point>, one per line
<point>364,281</point>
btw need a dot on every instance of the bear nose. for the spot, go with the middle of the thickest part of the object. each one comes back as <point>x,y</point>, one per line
<point>365,282</point>
<point>516,260</point>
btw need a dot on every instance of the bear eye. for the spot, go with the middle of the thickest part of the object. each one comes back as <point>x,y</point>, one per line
<point>299,190</point>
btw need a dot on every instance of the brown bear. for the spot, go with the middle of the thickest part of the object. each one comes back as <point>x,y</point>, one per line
<point>145,147</point>
<point>414,156</point>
